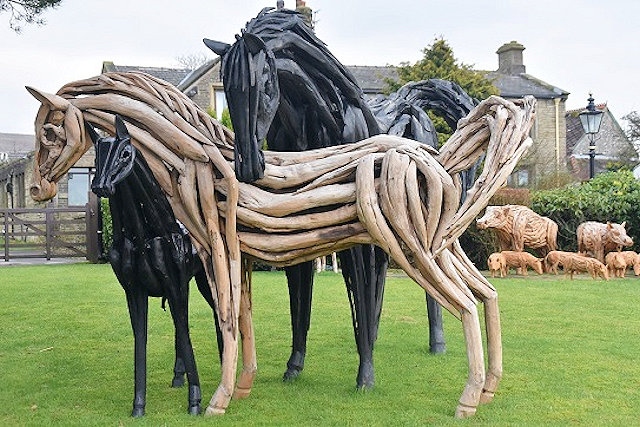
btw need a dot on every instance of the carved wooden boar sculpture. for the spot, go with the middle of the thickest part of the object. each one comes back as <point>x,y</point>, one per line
<point>599,238</point>
<point>497,264</point>
<point>616,264</point>
<point>518,227</point>
<point>582,263</point>
<point>521,261</point>
<point>555,259</point>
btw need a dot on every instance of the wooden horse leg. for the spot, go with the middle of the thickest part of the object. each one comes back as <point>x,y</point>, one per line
<point>138,303</point>
<point>494,348</point>
<point>475,382</point>
<point>245,323</point>
<point>229,359</point>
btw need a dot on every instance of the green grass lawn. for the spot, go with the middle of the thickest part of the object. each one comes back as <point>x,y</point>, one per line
<point>571,353</point>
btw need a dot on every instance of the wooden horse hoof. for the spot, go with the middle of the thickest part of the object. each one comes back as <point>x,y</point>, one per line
<point>241,393</point>
<point>464,411</point>
<point>486,396</point>
<point>211,411</point>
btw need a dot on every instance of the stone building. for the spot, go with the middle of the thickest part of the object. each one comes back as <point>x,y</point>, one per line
<point>548,153</point>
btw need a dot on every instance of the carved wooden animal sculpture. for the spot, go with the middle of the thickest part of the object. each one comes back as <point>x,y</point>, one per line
<point>518,227</point>
<point>616,264</point>
<point>497,264</point>
<point>632,259</point>
<point>581,263</point>
<point>557,258</point>
<point>392,192</point>
<point>598,238</point>
<point>521,261</point>
<point>151,255</point>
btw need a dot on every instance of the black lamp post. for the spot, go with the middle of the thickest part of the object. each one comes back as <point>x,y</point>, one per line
<point>591,118</point>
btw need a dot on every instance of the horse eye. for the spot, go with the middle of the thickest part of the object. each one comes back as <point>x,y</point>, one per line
<point>125,154</point>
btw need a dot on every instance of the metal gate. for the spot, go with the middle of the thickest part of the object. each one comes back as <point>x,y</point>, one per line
<point>50,233</point>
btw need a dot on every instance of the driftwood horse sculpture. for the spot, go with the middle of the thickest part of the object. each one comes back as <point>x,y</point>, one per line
<point>392,192</point>
<point>284,86</point>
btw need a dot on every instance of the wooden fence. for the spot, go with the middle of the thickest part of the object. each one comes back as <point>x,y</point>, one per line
<point>50,233</point>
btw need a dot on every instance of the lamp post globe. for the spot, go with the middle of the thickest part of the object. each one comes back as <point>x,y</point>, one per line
<point>591,119</point>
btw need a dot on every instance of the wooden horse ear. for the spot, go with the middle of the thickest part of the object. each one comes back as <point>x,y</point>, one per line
<point>121,129</point>
<point>55,102</point>
<point>220,48</point>
<point>92,132</point>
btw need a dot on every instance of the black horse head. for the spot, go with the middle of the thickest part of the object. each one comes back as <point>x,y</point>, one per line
<point>282,83</point>
<point>253,94</point>
<point>115,158</point>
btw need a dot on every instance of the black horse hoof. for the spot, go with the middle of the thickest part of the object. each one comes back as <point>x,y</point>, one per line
<point>291,374</point>
<point>137,412</point>
<point>194,410</point>
<point>177,382</point>
<point>366,376</point>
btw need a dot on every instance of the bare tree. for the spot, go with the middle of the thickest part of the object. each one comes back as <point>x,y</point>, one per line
<point>193,61</point>
<point>26,11</point>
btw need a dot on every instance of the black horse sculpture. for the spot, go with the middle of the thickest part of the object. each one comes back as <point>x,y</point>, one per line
<point>151,255</point>
<point>284,85</point>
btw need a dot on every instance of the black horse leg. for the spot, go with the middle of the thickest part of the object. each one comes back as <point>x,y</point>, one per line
<point>205,290</point>
<point>180,320</point>
<point>300,281</point>
<point>138,307</point>
<point>436,331</point>
<point>364,269</point>
<point>179,369</point>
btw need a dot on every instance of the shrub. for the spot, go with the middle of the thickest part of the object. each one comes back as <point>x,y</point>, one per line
<point>107,228</point>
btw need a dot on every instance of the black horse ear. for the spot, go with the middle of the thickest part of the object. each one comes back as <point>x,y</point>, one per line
<point>92,132</point>
<point>121,129</point>
<point>253,43</point>
<point>220,48</point>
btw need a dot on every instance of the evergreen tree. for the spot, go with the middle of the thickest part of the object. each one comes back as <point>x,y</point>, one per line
<point>440,63</point>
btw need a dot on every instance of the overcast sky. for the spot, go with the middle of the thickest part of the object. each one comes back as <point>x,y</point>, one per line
<point>576,45</point>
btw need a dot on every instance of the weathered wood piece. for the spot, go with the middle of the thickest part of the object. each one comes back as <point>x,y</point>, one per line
<point>599,238</point>
<point>518,227</point>
<point>380,184</point>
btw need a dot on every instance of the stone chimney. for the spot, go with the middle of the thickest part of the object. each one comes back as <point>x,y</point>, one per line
<point>510,58</point>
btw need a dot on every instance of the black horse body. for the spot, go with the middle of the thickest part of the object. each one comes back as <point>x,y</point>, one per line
<point>284,86</point>
<point>151,255</point>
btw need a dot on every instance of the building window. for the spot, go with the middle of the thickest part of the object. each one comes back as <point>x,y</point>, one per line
<point>519,178</point>
<point>79,186</point>
<point>220,102</point>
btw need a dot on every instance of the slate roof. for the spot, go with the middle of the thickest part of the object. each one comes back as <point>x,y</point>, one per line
<point>17,146</point>
<point>519,85</point>
<point>372,78</point>
<point>171,75</point>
